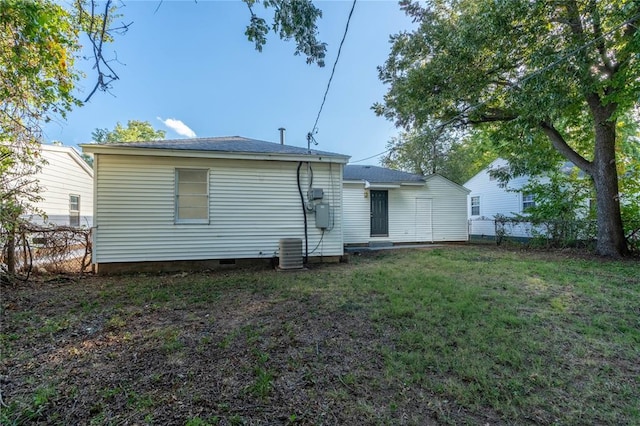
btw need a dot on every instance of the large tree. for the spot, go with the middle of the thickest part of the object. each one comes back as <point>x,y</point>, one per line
<point>547,78</point>
<point>434,148</point>
<point>422,151</point>
<point>135,130</point>
<point>37,46</point>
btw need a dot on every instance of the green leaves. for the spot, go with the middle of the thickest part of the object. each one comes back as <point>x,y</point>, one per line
<point>474,61</point>
<point>551,78</point>
<point>135,131</point>
<point>37,46</point>
<point>292,19</point>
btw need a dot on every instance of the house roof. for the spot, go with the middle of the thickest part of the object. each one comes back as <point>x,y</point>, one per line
<point>226,144</point>
<point>500,163</point>
<point>72,153</point>
<point>375,174</point>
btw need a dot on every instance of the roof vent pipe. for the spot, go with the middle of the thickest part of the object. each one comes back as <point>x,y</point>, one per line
<point>282,129</point>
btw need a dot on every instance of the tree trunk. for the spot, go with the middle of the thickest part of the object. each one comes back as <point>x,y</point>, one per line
<point>11,253</point>
<point>611,241</point>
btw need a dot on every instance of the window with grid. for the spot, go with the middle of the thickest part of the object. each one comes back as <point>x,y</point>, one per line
<point>192,196</point>
<point>74,210</point>
<point>475,206</point>
<point>527,202</point>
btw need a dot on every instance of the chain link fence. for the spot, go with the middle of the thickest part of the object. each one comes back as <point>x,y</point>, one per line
<point>550,233</point>
<point>48,249</point>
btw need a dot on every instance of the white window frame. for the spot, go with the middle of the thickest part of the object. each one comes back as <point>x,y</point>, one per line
<point>74,213</point>
<point>527,202</point>
<point>177,218</point>
<point>477,205</point>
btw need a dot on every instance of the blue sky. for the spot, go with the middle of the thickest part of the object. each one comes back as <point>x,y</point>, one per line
<point>191,62</point>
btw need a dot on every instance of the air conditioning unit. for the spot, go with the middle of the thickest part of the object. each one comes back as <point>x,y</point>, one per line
<point>290,253</point>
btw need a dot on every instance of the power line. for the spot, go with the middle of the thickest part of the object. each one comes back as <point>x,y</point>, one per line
<point>333,70</point>
<point>373,156</point>
<point>524,79</point>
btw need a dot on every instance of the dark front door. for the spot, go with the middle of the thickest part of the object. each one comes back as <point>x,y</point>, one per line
<point>379,214</point>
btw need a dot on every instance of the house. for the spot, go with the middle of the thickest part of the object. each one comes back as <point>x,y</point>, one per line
<point>201,203</point>
<point>384,206</point>
<point>66,183</point>
<point>571,224</point>
<point>489,197</point>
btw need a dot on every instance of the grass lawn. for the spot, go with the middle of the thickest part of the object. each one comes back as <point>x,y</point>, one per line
<point>456,335</point>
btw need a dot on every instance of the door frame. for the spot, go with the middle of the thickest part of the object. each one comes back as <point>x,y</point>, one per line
<point>385,213</point>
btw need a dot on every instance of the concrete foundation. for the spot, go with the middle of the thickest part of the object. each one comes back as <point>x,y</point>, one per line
<point>123,268</point>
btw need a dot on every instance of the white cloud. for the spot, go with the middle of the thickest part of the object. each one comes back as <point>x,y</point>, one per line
<point>179,127</point>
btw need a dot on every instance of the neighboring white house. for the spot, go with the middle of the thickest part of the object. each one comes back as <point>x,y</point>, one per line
<point>489,198</point>
<point>384,206</point>
<point>66,183</point>
<point>210,201</point>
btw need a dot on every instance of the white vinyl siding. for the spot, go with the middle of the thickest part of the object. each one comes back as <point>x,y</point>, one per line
<point>496,199</point>
<point>357,219</point>
<point>64,175</point>
<point>404,219</point>
<point>435,211</point>
<point>252,205</point>
<point>449,209</point>
<point>192,196</point>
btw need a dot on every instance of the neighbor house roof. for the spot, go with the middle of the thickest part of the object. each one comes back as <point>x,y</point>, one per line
<point>375,174</point>
<point>500,164</point>
<point>214,146</point>
<point>71,152</point>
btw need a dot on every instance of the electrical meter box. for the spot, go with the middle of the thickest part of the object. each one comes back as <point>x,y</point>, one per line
<point>322,215</point>
<point>315,194</point>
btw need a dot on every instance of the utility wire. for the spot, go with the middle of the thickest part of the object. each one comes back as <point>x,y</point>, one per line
<point>333,70</point>
<point>523,79</point>
<point>373,156</point>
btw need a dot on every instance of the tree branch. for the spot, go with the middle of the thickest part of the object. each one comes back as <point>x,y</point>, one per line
<point>633,25</point>
<point>492,115</point>
<point>574,18</point>
<point>608,67</point>
<point>558,142</point>
<point>97,37</point>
